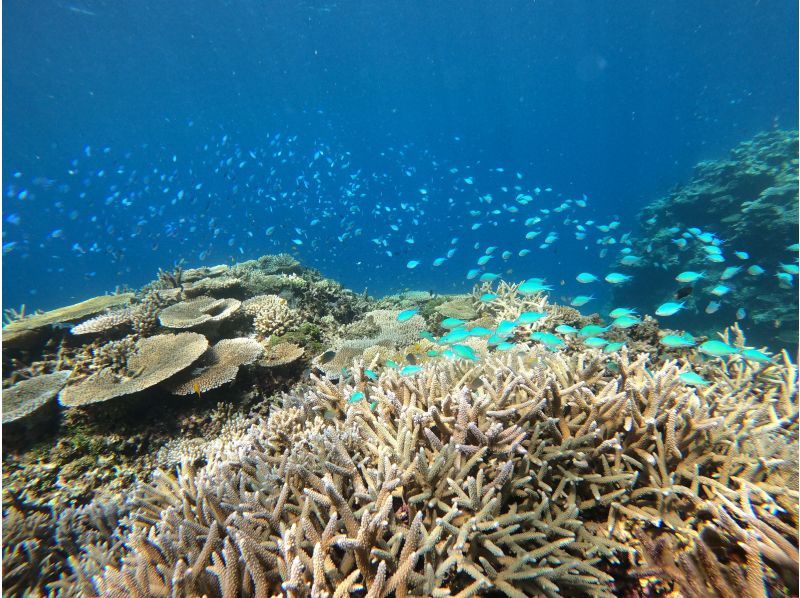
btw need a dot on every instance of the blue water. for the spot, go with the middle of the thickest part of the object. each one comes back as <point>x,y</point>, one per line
<point>286,113</point>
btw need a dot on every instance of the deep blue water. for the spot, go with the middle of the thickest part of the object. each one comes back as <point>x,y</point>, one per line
<point>285,113</point>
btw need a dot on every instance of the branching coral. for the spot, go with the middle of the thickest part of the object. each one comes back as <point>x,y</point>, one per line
<point>514,471</point>
<point>526,474</point>
<point>271,315</point>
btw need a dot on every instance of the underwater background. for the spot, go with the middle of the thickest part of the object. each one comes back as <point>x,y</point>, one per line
<point>400,299</point>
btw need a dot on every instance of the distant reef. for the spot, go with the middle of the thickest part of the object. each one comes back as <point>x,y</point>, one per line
<point>749,200</point>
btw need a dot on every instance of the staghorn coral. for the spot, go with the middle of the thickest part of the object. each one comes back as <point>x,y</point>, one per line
<point>29,562</point>
<point>195,450</point>
<point>218,366</point>
<point>509,303</point>
<point>197,311</point>
<point>28,396</point>
<point>524,475</point>
<point>153,360</point>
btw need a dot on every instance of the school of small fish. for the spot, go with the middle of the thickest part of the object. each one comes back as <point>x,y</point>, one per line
<point>228,202</point>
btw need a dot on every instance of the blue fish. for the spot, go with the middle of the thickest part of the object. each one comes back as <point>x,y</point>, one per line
<point>407,314</point>
<point>410,369</point>
<point>355,397</point>
<point>464,352</point>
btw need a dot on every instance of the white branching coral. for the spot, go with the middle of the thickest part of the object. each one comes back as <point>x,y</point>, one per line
<point>527,474</point>
<point>271,315</point>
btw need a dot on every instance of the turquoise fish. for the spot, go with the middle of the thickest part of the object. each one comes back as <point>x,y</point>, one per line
<point>529,317</point>
<point>407,314</point>
<point>410,369</point>
<point>581,300</point>
<point>464,352</point>
<point>355,397</point>
<point>611,347</point>
<point>674,341</point>
<point>550,340</point>
<point>693,379</point>
<point>717,349</point>
<point>669,308</point>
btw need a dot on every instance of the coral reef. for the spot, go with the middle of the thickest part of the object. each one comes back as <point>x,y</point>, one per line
<point>523,474</point>
<point>748,200</point>
<point>399,463</point>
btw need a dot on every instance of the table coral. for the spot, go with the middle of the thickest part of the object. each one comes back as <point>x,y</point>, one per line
<point>218,366</point>
<point>154,359</point>
<point>28,396</point>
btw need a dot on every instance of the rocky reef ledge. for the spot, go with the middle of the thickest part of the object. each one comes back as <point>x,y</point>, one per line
<point>258,430</point>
